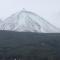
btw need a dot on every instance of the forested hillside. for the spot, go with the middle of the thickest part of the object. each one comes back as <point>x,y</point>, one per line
<point>30,45</point>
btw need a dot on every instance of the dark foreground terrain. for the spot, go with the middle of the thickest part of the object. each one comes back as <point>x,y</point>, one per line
<point>29,46</point>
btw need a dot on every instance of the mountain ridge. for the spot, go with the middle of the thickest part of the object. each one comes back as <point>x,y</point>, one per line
<point>28,21</point>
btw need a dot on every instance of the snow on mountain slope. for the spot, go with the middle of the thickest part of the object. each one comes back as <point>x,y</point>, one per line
<point>26,21</point>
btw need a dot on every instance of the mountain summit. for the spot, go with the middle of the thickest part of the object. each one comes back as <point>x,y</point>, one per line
<point>26,21</point>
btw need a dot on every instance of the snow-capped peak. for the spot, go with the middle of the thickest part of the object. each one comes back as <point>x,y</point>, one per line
<point>26,21</point>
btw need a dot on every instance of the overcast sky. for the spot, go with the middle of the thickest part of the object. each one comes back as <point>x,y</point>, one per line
<point>48,9</point>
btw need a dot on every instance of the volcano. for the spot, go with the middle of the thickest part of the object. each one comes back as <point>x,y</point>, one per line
<point>26,21</point>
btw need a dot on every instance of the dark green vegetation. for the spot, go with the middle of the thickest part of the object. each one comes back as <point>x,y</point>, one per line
<point>29,46</point>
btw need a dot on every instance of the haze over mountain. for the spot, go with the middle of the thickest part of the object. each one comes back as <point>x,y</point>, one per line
<point>26,21</point>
